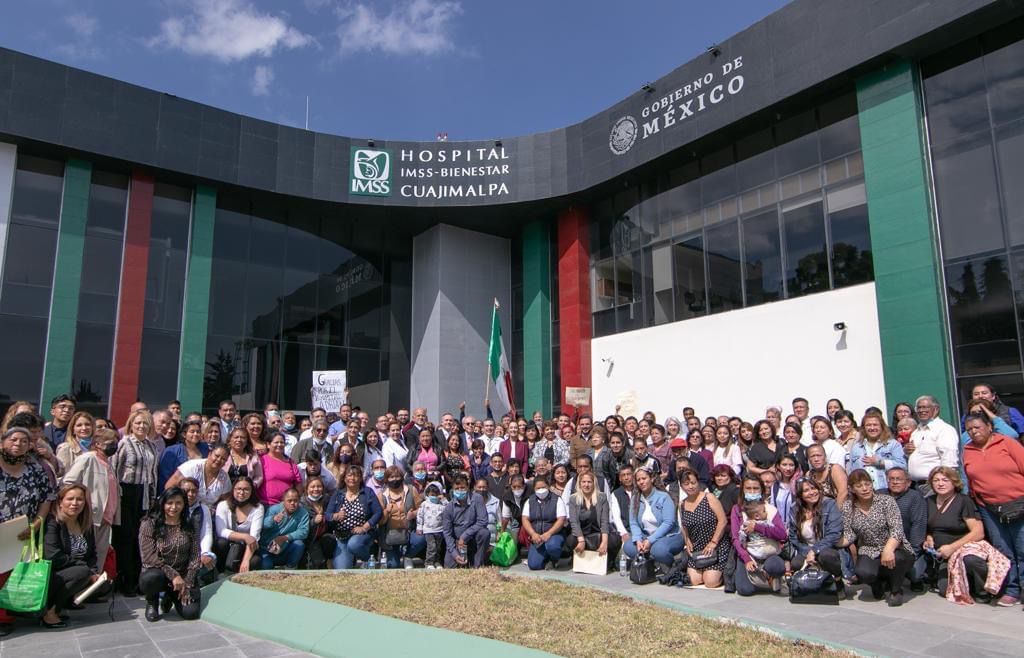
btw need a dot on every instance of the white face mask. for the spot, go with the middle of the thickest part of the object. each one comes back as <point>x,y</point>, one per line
<point>518,492</point>
<point>541,493</point>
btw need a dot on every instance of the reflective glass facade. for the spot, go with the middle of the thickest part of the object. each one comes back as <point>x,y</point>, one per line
<point>975,107</point>
<point>778,214</point>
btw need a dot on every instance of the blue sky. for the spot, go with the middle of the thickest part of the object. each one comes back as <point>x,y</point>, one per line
<point>399,69</point>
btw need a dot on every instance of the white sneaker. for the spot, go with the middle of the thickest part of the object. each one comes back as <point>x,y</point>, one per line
<point>407,562</point>
<point>431,567</point>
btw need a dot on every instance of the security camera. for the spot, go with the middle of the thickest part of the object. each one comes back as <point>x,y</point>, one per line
<point>839,326</point>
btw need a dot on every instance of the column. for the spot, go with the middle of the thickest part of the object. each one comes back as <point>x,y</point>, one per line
<point>908,271</point>
<point>574,299</point>
<point>131,305</point>
<point>67,275</point>
<point>537,318</point>
<point>192,361</point>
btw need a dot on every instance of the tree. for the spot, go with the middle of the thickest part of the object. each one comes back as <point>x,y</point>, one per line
<point>218,384</point>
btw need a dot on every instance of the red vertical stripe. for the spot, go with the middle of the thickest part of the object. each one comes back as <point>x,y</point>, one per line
<point>132,301</point>
<point>574,299</point>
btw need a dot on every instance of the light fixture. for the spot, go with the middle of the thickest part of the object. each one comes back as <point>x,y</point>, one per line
<point>648,87</point>
<point>713,50</point>
<point>370,143</point>
<point>497,143</point>
<point>839,326</point>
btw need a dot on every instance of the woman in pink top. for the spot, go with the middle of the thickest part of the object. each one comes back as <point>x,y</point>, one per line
<point>279,473</point>
<point>425,452</point>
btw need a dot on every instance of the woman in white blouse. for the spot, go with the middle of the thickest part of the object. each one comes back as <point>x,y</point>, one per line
<point>238,523</point>
<point>209,473</point>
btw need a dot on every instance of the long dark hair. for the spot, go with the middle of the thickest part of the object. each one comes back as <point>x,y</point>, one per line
<point>800,508</point>
<point>156,513</point>
<point>230,495</point>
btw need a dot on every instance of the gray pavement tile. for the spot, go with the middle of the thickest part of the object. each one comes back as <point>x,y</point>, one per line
<point>146,650</point>
<point>959,649</point>
<point>219,652</point>
<point>901,636</point>
<point>112,640</point>
<point>264,649</point>
<point>193,644</point>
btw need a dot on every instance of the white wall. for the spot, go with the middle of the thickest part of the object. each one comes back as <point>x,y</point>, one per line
<point>738,362</point>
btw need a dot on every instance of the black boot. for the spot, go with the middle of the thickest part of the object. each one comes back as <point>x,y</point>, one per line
<point>167,602</point>
<point>153,608</point>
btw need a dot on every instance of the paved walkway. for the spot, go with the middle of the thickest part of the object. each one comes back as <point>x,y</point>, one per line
<point>925,625</point>
<point>92,635</point>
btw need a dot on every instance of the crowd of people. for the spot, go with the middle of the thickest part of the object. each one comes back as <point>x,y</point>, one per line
<point>169,502</point>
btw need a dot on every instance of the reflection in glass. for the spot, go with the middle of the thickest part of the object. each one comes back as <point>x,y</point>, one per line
<point>956,102</point>
<point>968,202</point>
<point>688,269</point>
<point>725,287</point>
<point>763,258</point>
<point>1010,147</point>
<point>806,252</point>
<point>981,316</point>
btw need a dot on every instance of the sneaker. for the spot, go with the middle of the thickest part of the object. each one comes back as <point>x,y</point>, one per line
<point>1007,601</point>
<point>895,599</point>
<point>407,562</point>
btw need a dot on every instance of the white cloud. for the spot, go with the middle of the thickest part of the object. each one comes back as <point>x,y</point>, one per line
<point>82,24</point>
<point>261,79</point>
<point>228,30</point>
<point>411,27</point>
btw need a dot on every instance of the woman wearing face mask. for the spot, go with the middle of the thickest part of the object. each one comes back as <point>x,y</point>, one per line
<point>418,477</point>
<point>77,440</point>
<point>876,451</point>
<point>279,472</point>
<point>758,533</point>
<point>792,433</point>
<point>94,471</point>
<point>237,524</point>
<point>319,543</point>
<point>377,474</point>
<point>493,506</point>
<point>190,447</point>
<point>354,512</point>
<point>544,518</point>
<point>873,525</point>
<point>242,461</point>
<point>209,473</point>
<point>512,509</point>
<point>831,477</point>
<point>590,521</point>
<point>344,456</point>
<point>285,528</point>
<point>400,503</point>
<point>169,547</point>
<point>816,529</point>
<point>653,523</point>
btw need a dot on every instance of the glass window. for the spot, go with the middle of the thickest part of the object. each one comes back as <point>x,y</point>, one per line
<point>227,274</point>
<point>1004,69</point>
<point>797,155</point>
<point>806,250</point>
<point>90,376</point>
<point>603,285</point>
<point>968,203</point>
<point>158,365</point>
<point>956,102</point>
<point>981,316</point>
<point>840,138</point>
<point>1010,148</point>
<point>725,276</point>
<point>24,341</point>
<point>851,238</point>
<point>658,284</point>
<point>263,280</point>
<point>688,268</point>
<point>762,250</point>
<point>628,288</point>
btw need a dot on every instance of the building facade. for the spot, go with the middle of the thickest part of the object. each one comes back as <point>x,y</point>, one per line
<point>826,204</point>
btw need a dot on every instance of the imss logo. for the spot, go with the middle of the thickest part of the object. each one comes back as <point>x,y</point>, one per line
<point>371,172</point>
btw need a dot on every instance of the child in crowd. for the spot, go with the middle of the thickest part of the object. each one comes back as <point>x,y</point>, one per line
<point>904,429</point>
<point>428,524</point>
<point>759,546</point>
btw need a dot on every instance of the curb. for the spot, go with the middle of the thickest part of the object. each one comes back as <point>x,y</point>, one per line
<point>793,636</point>
<point>336,631</point>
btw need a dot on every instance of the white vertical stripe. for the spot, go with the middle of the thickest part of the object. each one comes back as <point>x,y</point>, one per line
<point>8,164</point>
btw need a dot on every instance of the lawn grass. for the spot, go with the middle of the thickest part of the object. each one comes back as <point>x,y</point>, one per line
<point>542,614</point>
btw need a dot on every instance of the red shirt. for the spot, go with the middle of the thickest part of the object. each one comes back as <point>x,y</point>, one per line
<point>995,472</point>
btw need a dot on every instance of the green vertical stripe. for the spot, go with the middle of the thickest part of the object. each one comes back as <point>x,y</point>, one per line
<point>192,364</point>
<point>537,318</point>
<point>908,274</point>
<point>67,276</point>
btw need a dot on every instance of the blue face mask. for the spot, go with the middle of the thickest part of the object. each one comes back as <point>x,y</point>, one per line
<point>378,475</point>
<point>420,475</point>
<point>288,427</point>
<point>434,499</point>
<point>460,495</point>
<point>85,443</point>
<point>752,498</point>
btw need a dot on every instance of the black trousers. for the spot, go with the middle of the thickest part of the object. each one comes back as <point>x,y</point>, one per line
<point>870,569</point>
<point>828,559</point>
<point>593,540</point>
<point>320,551</point>
<point>66,584</point>
<point>229,555</point>
<point>977,572</point>
<point>153,581</point>
<point>126,537</point>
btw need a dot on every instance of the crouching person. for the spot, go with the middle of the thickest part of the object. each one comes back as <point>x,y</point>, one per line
<point>285,528</point>
<point>169,547</point>
<point>464,525</point>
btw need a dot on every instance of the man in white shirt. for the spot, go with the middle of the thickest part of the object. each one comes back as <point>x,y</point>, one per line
<point>318,414</point>
<point>491,441</point>
<point>934,443</point>
<point>802,410</point>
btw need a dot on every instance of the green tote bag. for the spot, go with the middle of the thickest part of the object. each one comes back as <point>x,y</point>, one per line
<point>505,550</point>
<point>29,584</point>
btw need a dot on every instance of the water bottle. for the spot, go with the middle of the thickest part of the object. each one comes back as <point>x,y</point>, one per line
<point>623,564</point>
<point>372,562</point>
<point>463,553</point>
<point>382,563</point>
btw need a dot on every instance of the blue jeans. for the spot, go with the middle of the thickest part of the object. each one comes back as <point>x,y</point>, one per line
<point>417,546</point>
<point>347,551</point>
<point>540,554</point>
<point>1008,538</point>
<point>664,550</point>
<point>289,557</point>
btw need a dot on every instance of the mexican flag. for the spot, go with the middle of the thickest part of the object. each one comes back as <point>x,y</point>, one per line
<point>499,371</point>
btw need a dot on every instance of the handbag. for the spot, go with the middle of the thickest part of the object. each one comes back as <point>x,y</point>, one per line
<point>396,536</point>
<point>1008,513</point>
<point>815,586</point>
<point>29,583</point>
<point>701,562</point>
<point>505,550</point>
<point>641,572</point>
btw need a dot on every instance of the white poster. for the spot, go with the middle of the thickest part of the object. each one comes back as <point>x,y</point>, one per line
<point>329,389</point>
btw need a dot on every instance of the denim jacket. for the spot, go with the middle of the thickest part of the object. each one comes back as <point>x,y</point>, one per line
<point>891,454</point>
<point>664,512</point>
<point>831,524</point>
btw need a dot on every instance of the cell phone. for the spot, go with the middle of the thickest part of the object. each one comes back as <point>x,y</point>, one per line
<point>934,553</point>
